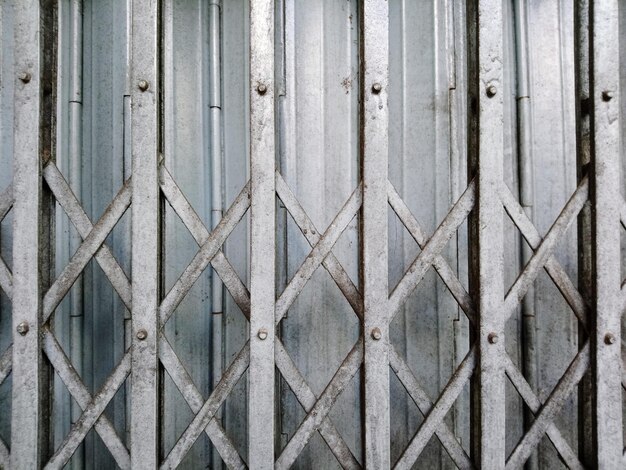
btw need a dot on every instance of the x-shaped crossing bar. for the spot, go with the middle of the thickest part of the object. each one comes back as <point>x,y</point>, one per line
<point>303,393</point>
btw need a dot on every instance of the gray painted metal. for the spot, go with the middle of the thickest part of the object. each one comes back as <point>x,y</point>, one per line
<point>376,310</point>
<point>262,237</point>
<point>198,360</point>
<point>145,234</point>
<point>27,363</point>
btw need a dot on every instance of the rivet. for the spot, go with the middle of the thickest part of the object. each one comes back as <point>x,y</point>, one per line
<point>24,77</point>
<point>609,338</point>
<point>493,338</point>
<point>143,85</point>
<point>261,88</point>
<point>23,328</point>
<point>376,334</point>
<point>262,334</point>
<point>491,91</point>
<point>376,88</point>
<point>607,95</point>
<point>142,334</point>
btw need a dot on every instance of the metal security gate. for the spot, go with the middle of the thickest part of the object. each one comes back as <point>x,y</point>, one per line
<point>249,395</point>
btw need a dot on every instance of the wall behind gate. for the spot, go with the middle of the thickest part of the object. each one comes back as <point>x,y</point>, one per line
<point>318,83</point>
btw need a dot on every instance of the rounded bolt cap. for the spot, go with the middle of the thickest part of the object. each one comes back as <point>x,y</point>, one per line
<point>376,334</point>
<point>24,77</point>
<point>261,89</point>
<point>23,328</point>
<point>143,85</point>
<point>262,334</point>
<point>376,88</point>
<point>493,338</point>
<point>610,338</point>
<point>491,91</point>
<point>142,334</point>
<point>607,95</point>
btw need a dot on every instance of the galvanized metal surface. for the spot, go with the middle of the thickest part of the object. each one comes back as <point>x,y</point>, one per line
<point>209,394</point>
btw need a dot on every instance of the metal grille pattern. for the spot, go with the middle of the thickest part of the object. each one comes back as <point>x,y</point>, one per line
<point>38,184</point>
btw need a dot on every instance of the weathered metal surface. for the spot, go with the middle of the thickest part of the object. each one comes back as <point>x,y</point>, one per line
<point>320,299</point>
<point>145,235</point>
<point>606,222</point>
<point>33,124</point>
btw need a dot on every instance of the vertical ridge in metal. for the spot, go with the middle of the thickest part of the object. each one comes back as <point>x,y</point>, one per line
<point>375,280</point>
<point>145,253</point>
<point>490,234</point>
<point>28,386</point>
<point>263,219</point>
<point>606,230</point>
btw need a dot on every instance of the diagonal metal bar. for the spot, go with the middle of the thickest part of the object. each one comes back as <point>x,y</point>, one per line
<point>552,266</point>
<point>543,253</point>
<point>91,413</point>
<point>432,249</point>
<point>91,244</point>
<point>552,406</point>
<point>194,399</point>
<point>318,413</point>
<point>6,202</point>
<point>79,392</point>
<point>6,279</point>
<point>206,253</point>
<point>534,404</point>
<point>308,400</point>
<point>201,234</point>
<point>202,419</point>
<point>5,457</point>
<point>70,204</point>
<point>319,252</point>
<point>442,267</point>
<point>440,409</point>
<point>425,405</point>
<point>310,232</point>
<point>6,361</point>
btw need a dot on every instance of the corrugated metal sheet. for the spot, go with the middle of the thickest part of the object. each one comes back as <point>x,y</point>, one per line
<point>318,76</point>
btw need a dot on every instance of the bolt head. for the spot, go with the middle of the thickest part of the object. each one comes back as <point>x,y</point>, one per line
<point>607,95</point>
<point>261,89</point>
<point>376,334</point>
<point>143,85</point>
<point>23,328</point>
<point>610,338</point>
<point>24,77</point>
<point>142,334</point>
<point>491,91</point>
<point>376,88</point>
<point>493,338</point>
<point>262,334</point>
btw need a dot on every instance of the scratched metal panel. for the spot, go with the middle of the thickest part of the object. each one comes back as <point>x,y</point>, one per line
<point>6,174</point>
<point>319,160</point>
<point>552,67</point>
<point>96,174</point>
<point>424,167</point>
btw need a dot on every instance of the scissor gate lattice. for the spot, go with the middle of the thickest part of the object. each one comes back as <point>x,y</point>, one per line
<point>38,184</point>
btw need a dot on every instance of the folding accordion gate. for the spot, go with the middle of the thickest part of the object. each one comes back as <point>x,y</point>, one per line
<point>36,361</point>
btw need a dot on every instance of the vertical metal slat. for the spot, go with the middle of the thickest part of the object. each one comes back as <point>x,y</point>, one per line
<point>28,389</point>
<point>490,234</point>
<point>144,238</point>
<point>375,270</point>
<point>606,230</point>
<point>263,219</point>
